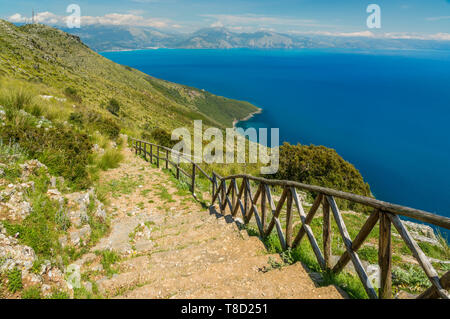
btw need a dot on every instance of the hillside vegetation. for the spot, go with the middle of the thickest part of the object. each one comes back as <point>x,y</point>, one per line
<point>56,63</point>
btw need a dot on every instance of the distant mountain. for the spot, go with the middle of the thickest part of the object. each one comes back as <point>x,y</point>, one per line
<point>111,38</point>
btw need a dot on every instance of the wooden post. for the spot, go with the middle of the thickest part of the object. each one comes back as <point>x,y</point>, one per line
<point>151,153</point>
<point>233,195</point>
<point>385,257</point>
<point>178,167</point>
<point>135,147</point>
<point>145,151</point>
<point>193,179</point>
<point>157,157</point>
<point>224,201</point>
<point>263,207</point>
<point>289,217</point>
<point>326,231</point>
<point>213,182</point>
<point>244,180</point>
<point>167,159</point>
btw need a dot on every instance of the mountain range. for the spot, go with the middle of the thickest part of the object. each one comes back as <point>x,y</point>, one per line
<point>114,38</point>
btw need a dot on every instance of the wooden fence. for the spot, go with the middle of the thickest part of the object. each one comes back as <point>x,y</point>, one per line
<point>239,197</point>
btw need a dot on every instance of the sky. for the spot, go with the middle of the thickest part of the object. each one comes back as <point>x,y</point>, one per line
<point>399,18</point>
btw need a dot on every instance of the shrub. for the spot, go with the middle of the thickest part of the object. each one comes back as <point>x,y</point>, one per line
<point>18,99</point>
<point>76,118</point>
<point>65,151</point>
<point>15,280</point>
<point>113,107</point>
<point>110,159</point>
<point>72,94</point>
<point>161,137</point>
<point>318,165</point>
<point>104,124</point>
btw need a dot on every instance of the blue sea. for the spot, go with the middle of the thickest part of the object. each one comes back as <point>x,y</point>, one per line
<point>386,112</point>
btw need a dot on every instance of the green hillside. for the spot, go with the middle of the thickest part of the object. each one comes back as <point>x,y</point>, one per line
<point>52,62</point>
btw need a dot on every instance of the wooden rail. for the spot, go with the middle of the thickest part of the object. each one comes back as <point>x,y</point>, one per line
<point>233,197</point>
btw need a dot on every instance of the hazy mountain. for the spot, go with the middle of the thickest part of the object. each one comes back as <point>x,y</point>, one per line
<point>108,38</point>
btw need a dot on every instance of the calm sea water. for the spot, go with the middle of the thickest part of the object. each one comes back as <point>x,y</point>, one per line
<point>386,112</point>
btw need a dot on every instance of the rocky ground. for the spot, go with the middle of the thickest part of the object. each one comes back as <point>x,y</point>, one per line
<point>15,207</point>
<point>171,247</point>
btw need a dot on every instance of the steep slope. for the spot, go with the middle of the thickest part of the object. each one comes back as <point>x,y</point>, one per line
<point>49,58</point>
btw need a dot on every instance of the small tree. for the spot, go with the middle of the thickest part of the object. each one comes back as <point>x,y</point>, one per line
<point>113,107</point>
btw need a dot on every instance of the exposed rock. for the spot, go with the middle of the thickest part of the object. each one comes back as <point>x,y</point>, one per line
<point>55,275</point>
<point>53,182</point>
<point>421,232</point>
<point>83,234</point>
<point>101,211</point>
<point>12,254</point>
<point>54,194</point>
<point>31,167</point>
<point>373,273</point>
<point>46,290</point>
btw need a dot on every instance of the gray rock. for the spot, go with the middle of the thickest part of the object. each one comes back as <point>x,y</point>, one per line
<point>421,232</point>
<point>82,234</point>
<point>53,182</point>
<point>101,211</point>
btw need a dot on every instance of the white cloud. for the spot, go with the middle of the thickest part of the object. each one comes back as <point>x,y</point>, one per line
<point>108,19</point>
<point>18,18</point>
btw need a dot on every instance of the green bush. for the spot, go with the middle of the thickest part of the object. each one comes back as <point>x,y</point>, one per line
<point>15,280</point>
<point>72,94</point>
<point>110,159</point>
<point>18,99</point>
<point>160,136</point>
<point>65,151</point>
<point>76,118</point>
<point>113,107</point>
<point>318,165</point>
<point>104,124</point>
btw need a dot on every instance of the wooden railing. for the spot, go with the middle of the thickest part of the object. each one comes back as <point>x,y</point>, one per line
<point>233,197</point>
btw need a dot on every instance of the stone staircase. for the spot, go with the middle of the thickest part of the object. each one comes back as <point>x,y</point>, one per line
<point>185,251</point>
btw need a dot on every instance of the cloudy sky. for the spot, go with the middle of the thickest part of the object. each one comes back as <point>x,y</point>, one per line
<point>420,18</point>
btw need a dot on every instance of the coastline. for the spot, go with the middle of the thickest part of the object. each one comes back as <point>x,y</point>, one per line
<point>248,117</point>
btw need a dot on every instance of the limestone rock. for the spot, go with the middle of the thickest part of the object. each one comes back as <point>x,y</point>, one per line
<point>31,167</point>
<point>78,235</point>
<point>421,232</point>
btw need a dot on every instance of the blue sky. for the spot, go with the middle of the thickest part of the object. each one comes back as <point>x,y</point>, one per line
<point>340,17</point>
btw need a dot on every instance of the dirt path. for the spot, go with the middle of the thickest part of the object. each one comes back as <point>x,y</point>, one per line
<point>171,247</point>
